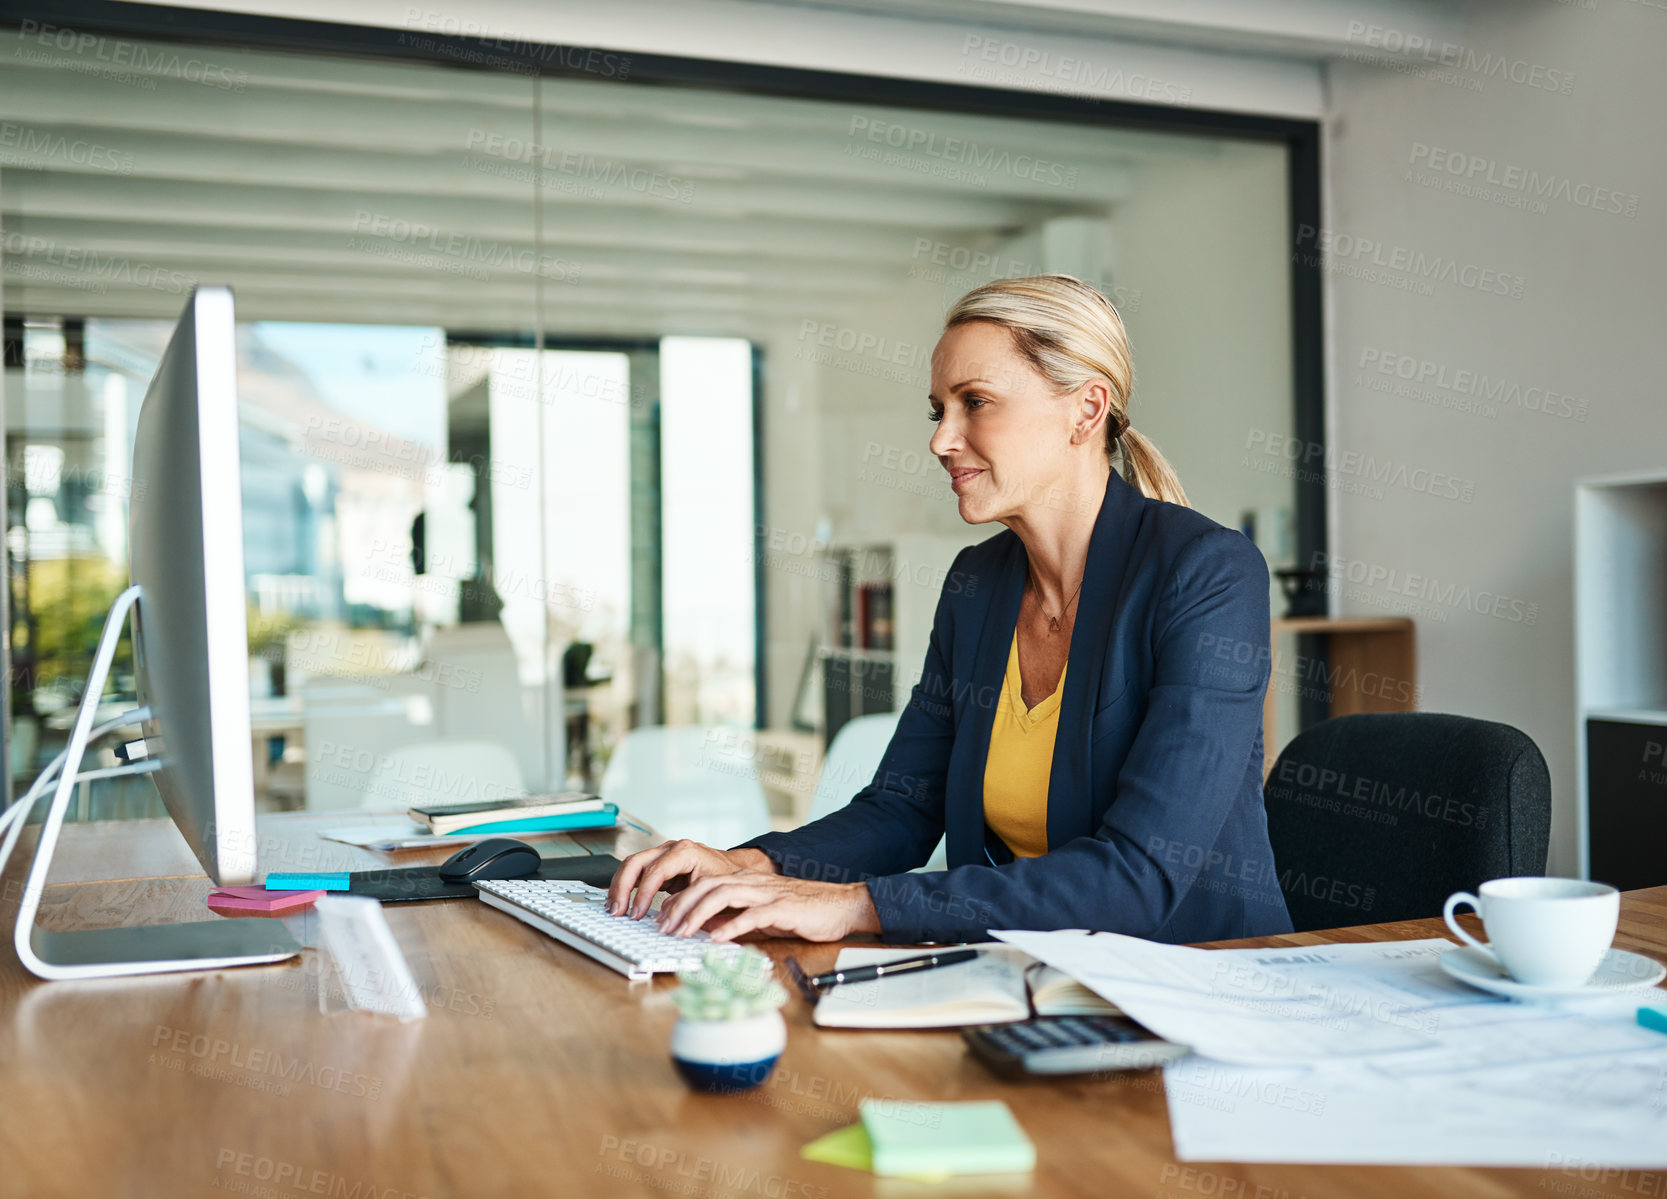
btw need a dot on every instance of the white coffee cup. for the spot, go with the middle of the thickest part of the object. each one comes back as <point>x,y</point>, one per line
<point>1545,932</point>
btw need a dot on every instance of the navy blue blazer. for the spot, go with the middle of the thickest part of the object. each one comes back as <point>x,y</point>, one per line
<point>1155,819</point>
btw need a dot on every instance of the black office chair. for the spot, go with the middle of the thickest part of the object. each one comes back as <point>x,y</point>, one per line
<point>1381,817</point>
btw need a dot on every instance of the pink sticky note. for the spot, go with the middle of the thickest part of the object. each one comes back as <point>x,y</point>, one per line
<point>258,901</point>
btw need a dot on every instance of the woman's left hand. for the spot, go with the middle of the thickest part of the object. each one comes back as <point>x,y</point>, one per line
<point>771,904</point>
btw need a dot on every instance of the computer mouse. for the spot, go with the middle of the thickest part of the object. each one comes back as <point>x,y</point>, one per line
<point>496,857</point>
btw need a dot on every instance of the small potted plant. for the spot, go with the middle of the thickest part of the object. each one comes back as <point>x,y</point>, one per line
<point>729,1029</point>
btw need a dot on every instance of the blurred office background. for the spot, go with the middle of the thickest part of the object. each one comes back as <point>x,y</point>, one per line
<point>575,408</point>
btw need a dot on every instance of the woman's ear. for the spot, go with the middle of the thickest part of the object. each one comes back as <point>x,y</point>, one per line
<point>1093,404</point>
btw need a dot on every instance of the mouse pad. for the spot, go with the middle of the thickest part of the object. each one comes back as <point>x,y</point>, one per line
<point>403,883</point>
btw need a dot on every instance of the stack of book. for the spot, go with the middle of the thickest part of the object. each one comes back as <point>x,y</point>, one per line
<point>524,814</point>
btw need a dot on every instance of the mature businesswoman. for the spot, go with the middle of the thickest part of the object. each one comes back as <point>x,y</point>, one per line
<point>1086,732</point>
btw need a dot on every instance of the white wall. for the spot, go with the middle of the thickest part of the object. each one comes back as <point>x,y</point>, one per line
<point>1587,325</point>
<point>1204,287</point>
<point>1206,298</point>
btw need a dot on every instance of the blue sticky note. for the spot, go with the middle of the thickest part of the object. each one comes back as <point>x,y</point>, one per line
<point>1653,1017</point>
<point>603,818</point>
<point>307,882</point>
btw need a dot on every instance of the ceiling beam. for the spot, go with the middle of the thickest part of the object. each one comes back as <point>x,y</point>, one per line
<point>567,181</point>
<point>670,316</point>
<point>117,249</point>
<point>462,231</point>
<point>922,150</point>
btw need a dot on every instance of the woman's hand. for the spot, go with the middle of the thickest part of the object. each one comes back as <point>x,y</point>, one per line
<point>659,868</point>
<point>772,904</point>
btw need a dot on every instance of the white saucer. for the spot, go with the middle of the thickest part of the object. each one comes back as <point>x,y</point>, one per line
<point>1620,971</point>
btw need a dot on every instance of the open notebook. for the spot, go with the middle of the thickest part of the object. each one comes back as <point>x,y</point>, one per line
<point>997,987</point>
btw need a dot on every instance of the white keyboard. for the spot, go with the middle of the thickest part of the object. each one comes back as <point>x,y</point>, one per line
<point>573,913</point>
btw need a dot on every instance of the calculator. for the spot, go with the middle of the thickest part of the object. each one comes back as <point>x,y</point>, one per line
<point>1069,1045</point>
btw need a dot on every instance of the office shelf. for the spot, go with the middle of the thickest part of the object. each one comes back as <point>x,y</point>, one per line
<point>1620,644</point>
<point>880,598</point>
<point>1371,666</point>
<point>1631,715</point>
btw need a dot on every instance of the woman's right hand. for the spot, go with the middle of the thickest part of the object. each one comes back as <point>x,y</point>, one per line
<point>679,862</point>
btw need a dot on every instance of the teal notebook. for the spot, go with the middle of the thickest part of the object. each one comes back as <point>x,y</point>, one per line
<point>946,1138</point>
<point>604,818</point>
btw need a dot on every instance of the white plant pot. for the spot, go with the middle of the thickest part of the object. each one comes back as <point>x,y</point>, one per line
<point>728,1055</point>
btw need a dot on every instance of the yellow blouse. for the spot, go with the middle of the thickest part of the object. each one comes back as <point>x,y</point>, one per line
<point>1020,761</point>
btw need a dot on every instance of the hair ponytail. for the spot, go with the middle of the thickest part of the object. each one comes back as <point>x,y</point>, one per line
<point>1147,469</point>
<point>1071,334</point>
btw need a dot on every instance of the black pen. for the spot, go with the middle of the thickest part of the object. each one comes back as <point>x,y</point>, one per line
<point>862,974</point>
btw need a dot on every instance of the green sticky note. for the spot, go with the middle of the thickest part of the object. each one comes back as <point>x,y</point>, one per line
<point>946,1138</point>
<point>849,1147</point>
<point>843,1147</point>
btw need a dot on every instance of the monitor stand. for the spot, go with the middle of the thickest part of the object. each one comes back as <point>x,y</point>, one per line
<point>148,949</point>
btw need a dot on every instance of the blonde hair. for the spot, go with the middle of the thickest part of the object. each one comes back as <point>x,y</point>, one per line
<point>1071,334</point>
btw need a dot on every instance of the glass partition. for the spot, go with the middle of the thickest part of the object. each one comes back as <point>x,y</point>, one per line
<point>576,406</point>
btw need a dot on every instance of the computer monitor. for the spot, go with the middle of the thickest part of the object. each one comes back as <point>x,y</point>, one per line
<point>191,654</point>
<point>190,628</point>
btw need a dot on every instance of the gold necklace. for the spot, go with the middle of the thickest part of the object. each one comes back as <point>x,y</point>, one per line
<point>1053,621</point>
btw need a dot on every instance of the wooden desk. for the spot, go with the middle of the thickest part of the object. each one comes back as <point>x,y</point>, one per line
<point>537,1073</point>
